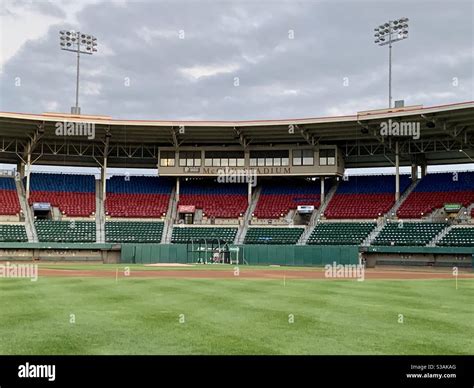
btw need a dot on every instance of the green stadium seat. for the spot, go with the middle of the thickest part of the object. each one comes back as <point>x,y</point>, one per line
<point>66,231</point>
<point>272,235</point>
<point>187,234</point>
<point>409,233</point>
<point>340,233</point>
<point>458,237</point>
<point>133,231</point>
<point>13,233</point>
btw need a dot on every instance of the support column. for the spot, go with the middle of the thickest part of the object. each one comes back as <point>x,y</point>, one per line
<point>249,192</point>
<point>414,172</point>
<point>177,189</point>
<point>28,173</point>
<point>322,189</point>
<point>103,171</point>
<point>20,170</point>
<point>397,173</point>
<point>423,170</point>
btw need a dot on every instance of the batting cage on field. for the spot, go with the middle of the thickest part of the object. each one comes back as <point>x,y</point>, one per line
<point>213,251</point>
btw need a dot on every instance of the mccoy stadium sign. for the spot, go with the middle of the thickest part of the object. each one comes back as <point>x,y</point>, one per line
<point>245,172</point>
<point>233,172</point>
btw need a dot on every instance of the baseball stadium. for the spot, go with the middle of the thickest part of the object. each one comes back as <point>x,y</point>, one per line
<point>245,237</point>
<point>287,184</point>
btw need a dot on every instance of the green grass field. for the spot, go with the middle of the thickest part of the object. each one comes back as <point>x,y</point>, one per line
<point>234,316</point>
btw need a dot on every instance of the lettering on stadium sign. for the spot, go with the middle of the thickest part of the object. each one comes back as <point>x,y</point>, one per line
<point>192,169</point>
<point>259,170</point>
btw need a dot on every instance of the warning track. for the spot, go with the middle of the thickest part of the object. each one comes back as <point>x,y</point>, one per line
<point>246,274</point>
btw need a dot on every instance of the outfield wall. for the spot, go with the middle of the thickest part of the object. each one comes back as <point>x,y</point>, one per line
<point>406,256</point>
<point>288,255</point>
<point>105,253</point>
<point>291,255</point>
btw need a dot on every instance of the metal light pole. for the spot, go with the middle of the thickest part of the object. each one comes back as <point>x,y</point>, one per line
<point>78,43</point>
<point>388,33</point>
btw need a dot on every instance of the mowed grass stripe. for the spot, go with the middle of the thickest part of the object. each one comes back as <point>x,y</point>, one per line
<point>235,316</point>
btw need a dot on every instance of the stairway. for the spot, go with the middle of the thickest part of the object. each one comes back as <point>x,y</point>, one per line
<point>240,237</point>
<point>26,209</point>
<point>373,235</point>
<point>402,198</point>
<point>469,210</point>
<point>437,215</point>
<point>170,219</point>
<point>440,236</point>
<point>99,213</point>
<point>198,216</point>
<point>316,216</point>
<point>56,213</point>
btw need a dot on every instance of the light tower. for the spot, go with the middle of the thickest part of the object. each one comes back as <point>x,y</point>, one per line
<point>388,33</point>
<point>78,43</point>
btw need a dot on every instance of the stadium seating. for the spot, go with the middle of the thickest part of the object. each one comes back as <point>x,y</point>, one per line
<point>460,237</point>
<point>13,233</point>
<point>138,196</point>
<point>271,235</point>
<point>340,233</point>
<point>217,200</point>
<point>188,234</point>
<point>278,198</point>
<point>408,233</point>
<point>66,231</point>
<point>74,195</point>
<point>365,196</point>
<point>9,203</point>
<point>137,232</point>
<point>436,189</point>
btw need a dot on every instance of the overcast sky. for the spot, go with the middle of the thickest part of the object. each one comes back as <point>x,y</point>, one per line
<point>233,59</point>
<point>181,58</point>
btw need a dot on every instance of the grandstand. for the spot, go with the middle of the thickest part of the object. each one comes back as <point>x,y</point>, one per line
<point>409,233</point>
<point>13,233</point>
<point>458,237</point>
<point>73,195</point>
<point>214,199</point>
<point>341,233</point>
<point>436,190</point>
<point>133,231</point>
<point>365,196</point>
<point>279,197</point>
<point>65,231</point>
<point>301,192</point>
<point>9,204</point>
<point>189,234</point>
<point>273,235</point>
<point>137,196</point>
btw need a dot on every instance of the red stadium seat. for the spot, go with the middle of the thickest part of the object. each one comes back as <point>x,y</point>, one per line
<point>136,205</point>
<point>419,204</point>
<point>345,206</point>
<point>9,203</point>
<point>71,204</point>
<point>274,205</point>
<point>217,205</point>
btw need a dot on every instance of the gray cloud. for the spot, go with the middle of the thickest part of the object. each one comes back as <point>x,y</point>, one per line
<point>278,77</point>
<point>43,7</point>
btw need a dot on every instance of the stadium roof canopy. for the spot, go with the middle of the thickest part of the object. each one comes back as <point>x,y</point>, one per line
<point>446,136</point>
